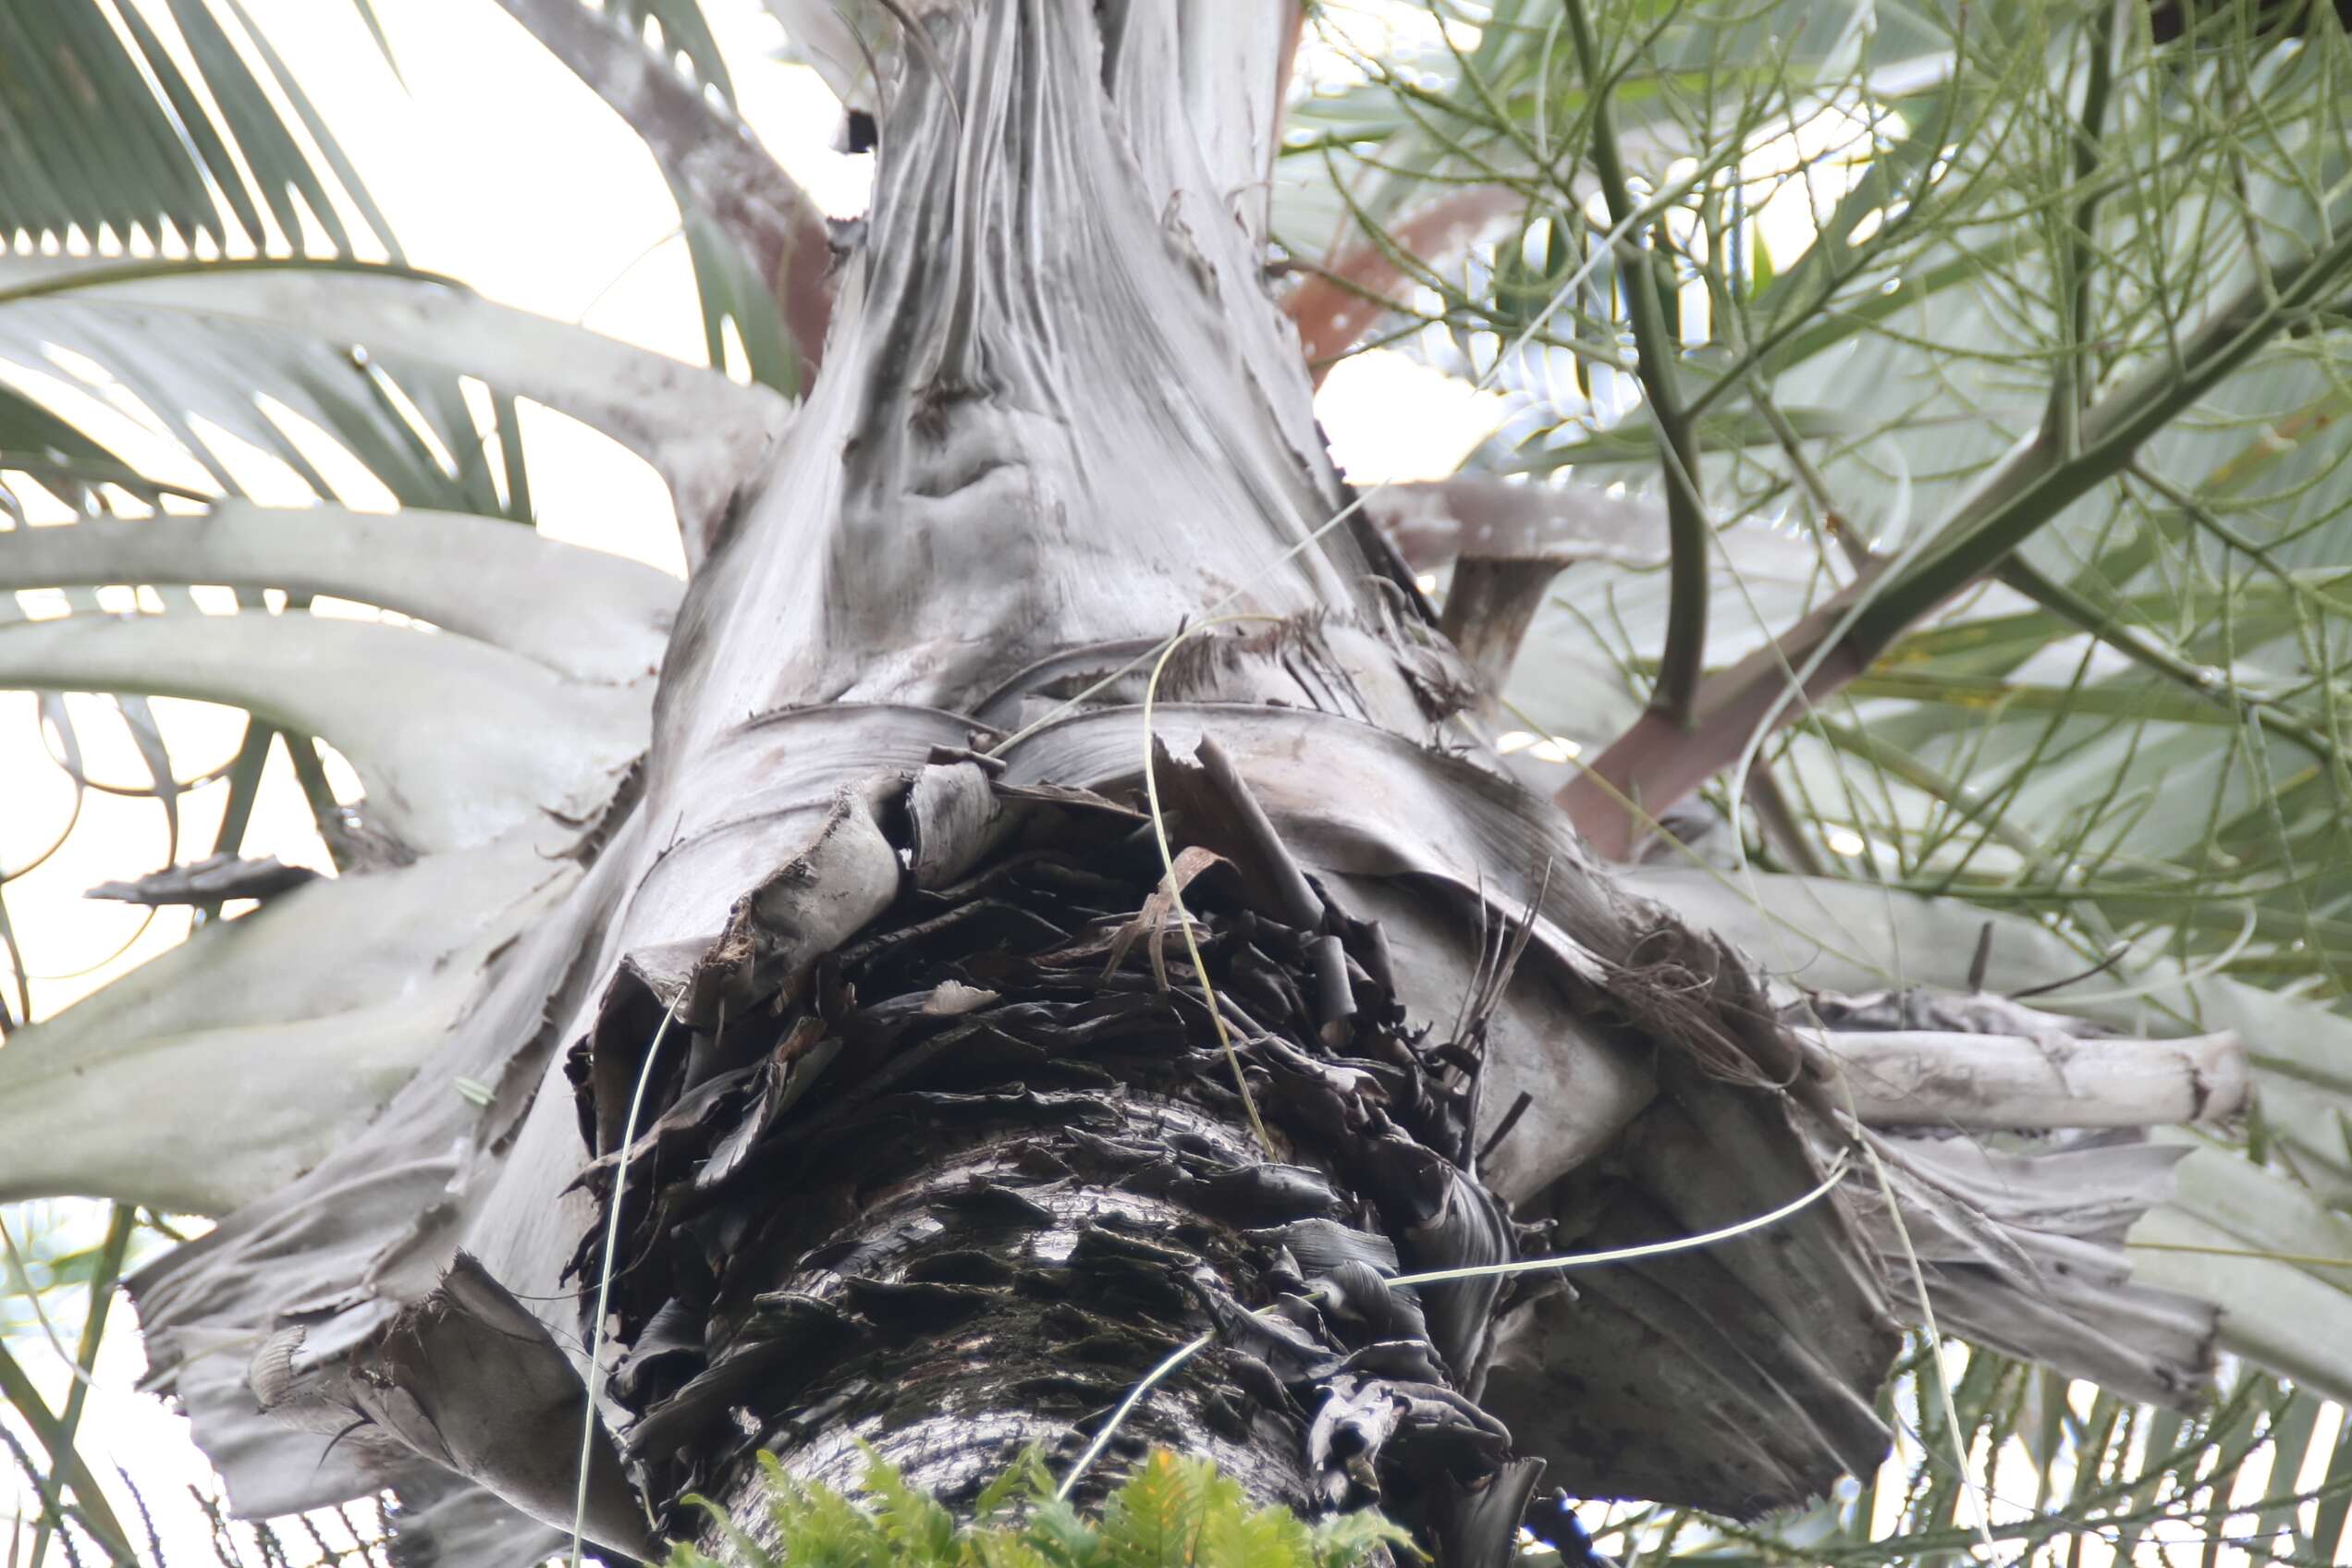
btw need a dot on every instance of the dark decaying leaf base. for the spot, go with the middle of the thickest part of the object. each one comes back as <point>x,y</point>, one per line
<point>995,1169</point>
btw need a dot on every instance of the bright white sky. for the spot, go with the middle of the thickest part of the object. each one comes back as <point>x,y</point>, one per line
<point>494,166</point>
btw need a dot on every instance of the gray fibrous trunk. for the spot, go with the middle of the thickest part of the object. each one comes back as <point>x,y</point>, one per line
<point>917,1162</point>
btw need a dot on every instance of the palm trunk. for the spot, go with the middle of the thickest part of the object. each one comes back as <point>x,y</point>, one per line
<point>1021,1174</point>
<point>1059,414</point>
<point>926,1156</point>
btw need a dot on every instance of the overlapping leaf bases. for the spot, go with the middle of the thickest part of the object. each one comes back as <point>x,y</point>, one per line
<point>985,1166</point>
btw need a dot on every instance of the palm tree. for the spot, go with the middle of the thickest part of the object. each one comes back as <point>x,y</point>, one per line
<point>1041,917</point>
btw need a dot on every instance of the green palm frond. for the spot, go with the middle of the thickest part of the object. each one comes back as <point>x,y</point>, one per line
<point>2150,696</point>
<point>2131,735</point>
<point>121,125</point>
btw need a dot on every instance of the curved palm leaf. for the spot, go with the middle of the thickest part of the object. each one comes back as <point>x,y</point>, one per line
<point>150,129</point>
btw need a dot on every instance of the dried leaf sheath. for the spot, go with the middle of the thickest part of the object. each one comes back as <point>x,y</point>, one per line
<point>1018,1181</point>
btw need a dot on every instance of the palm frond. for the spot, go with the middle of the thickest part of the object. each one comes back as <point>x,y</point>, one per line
<point>178,132</point>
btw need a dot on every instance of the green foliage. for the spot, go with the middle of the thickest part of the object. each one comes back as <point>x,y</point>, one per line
<point>2013,215</point>
<point>2136,733</point>
<point>1172,1513</point>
